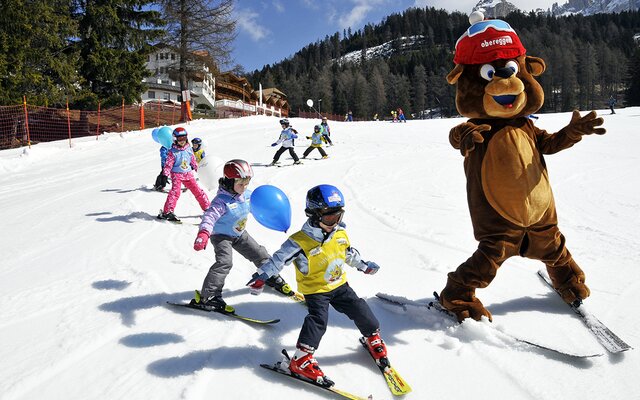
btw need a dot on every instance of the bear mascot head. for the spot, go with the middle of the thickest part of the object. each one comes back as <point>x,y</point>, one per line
<point>508,190</point>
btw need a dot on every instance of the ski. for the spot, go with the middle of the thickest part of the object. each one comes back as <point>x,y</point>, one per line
<point>609,340</point>
<point>285,371</point>
<point>397,385</point>
<point>229,314</point>
<point>436,306</point>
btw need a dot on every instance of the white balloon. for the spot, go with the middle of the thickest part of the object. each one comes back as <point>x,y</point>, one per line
<point>310,103</point>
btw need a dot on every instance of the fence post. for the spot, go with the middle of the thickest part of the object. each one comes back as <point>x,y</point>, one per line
<point>158,115</point>
<point>142,116</point>
<point>122,126</point>
<point>173,113</point>
<point>69,122</point>
<point>26,120</point>
<point>98,127</point>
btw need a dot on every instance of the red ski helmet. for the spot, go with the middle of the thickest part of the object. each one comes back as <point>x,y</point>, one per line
<point>179,132</point>
<point>235,169</point>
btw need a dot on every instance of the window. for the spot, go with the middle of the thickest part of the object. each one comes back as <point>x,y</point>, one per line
<point>151,94</point>
<point>166,96</point>
<point>173,56</point>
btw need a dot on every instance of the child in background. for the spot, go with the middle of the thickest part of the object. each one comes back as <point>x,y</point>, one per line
<point>326,132</point>
<point>320,251</point>
<point>224,224</point>
<point>180,163</point>
<point>316,142</point>
<point>401,117</point>
<point>161,180</point>
<point>287,136</point>
<point>198,150</point>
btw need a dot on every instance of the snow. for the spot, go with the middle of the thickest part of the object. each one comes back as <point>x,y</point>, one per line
<point>86,270</point>
<point>382,51</point>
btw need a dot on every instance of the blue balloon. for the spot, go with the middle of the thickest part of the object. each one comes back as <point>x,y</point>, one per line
<point>165,136</point>
<point>154,134</point>
<point>271,208</point>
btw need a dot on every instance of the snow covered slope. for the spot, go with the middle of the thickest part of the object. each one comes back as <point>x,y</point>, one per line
<point>86,269</point>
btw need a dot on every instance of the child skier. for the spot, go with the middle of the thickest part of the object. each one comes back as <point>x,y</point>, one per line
<point>400,114</point>
<point>224,224</point>
<point>198,150</point>
<point>161,180</point>
<point>286,138</point>
<point>180,163</point>
<point>319,251</point>
<point>316,142</point>
<point>326,132</point>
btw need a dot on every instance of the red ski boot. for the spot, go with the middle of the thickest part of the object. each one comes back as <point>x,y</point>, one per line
<point>377,349</point>
<point>305,365</point>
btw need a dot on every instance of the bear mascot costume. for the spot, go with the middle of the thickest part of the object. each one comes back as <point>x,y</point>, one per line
<point>508,191</point>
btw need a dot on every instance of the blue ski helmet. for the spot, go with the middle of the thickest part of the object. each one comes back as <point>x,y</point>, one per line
<point>324,197</point>
<point>196,141</point>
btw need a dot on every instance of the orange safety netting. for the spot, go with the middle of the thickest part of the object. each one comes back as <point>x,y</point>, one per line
<point>26,124</point>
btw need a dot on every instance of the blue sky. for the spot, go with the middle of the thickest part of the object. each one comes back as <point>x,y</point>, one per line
<point>272,30</point>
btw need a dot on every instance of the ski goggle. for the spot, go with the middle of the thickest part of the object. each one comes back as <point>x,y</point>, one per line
<point>243,181</point>
<point>332,218</point>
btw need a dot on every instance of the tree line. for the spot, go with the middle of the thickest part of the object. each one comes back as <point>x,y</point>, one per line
<point>90,51</point>
<point>588,60</point>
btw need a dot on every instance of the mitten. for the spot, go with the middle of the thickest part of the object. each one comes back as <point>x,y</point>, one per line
<point>256,284</point>
<point>586,125</point>
<point>294,136</point>
<point>201,241</point>
<point>465,136</point>
<point>274,144</point>
<point>371,268</point>
<point>308,137</point>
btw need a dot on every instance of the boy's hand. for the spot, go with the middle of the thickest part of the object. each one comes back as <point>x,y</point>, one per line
<point>371,268</point>
<point>256,284</point>
<point>274,144</point>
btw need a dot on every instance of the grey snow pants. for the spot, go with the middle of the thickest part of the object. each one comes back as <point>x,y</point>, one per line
<point>223,246</point>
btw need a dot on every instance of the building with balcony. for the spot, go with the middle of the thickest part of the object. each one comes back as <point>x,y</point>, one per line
<point>229,95</point>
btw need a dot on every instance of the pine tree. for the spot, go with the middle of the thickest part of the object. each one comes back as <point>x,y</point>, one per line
<point>36,59</point>
<point>419,84</point>
<point>113,45</point>
<point>632,95</point>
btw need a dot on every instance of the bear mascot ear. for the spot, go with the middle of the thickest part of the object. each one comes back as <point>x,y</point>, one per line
<point>455,73</point>
<point>535,66</point>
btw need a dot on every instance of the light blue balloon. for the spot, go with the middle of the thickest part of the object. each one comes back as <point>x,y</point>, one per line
<point>154,134</point>
<point>271,208</point>
<point>165,136</point>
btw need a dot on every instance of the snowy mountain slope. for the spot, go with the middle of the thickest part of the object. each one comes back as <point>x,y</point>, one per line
<point>86,270</point>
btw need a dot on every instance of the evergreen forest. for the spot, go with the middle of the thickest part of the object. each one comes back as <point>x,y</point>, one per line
<point>588,60</point>
<point>88,52</point>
